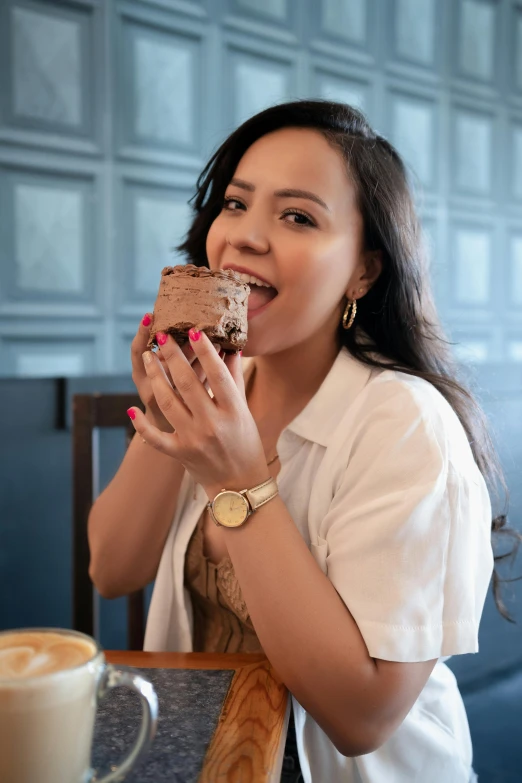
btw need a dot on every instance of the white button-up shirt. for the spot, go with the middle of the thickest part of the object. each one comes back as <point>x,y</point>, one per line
<point>378,476</point>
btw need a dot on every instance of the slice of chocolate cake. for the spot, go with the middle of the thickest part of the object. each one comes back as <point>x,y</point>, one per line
<point>195,297</point>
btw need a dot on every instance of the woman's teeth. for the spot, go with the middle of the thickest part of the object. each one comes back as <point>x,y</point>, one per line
<point>253,280</point>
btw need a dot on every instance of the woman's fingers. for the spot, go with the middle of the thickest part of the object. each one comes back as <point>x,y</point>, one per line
<point>235,365</point>
<point>138,345</point>
<point>188,384</point>
<point>191,357</point>
<point>218,375</point>
<point>162,441</point>
<point>167,399</point>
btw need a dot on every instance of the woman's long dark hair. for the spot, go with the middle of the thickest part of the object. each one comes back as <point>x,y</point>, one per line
<point>398,313</point>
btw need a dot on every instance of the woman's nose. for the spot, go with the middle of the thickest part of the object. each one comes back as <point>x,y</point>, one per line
<point>249,234</point>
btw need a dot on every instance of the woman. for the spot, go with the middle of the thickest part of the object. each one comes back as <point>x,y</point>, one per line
<point>370,561</point>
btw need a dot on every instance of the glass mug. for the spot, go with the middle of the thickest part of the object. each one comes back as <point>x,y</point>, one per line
<point>50,683</point>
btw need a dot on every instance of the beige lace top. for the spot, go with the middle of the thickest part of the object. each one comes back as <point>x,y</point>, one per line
<point>221,619</point>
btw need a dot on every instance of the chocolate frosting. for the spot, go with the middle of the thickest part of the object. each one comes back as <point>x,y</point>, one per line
<point>191,270</point>
<point>215,302</point>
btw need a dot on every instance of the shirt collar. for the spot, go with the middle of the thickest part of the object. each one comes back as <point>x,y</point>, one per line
<point>319,419</point>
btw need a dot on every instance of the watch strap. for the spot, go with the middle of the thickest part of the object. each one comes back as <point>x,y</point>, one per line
<point>258,496</point>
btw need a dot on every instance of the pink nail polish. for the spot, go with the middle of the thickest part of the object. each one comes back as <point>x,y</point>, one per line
<point>194,335</point>
<point>161,338</point>
<point>241,353</point>
<point>132,413</point>
<point>147,320</point>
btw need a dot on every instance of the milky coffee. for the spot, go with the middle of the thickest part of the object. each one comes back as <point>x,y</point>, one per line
<point>48,683</point>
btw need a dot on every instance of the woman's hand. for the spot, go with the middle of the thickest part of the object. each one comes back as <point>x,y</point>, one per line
<point>141,380</point>
<point>216,438</point>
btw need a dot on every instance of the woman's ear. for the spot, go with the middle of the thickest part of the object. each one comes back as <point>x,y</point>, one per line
<point>372,267</point>
<point>368,271</point>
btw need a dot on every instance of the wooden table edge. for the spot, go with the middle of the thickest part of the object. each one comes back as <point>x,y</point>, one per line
<point>175,660</point>
<point>251,732</point>
<point>250,735</point>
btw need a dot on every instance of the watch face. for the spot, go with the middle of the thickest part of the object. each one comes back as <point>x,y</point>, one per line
<point>230,509</point>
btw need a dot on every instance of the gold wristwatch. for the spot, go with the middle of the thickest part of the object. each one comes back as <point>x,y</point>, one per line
<point>232,509</point>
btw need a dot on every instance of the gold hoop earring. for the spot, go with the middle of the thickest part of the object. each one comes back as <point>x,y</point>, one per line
<point>349,318</point>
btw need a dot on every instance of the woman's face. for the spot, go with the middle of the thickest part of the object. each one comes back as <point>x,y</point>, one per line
<point>290,219</point>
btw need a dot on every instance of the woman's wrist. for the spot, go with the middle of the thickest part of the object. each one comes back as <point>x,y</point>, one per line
<point>246,480</point>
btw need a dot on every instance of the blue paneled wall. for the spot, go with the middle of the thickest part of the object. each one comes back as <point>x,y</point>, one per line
<point>109,109</point>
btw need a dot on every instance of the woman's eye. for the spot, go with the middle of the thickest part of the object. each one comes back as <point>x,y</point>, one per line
<point>300,218</point>
<point>232,204</point>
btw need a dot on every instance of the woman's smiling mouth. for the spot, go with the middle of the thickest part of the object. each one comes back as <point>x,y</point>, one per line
<point>261,292</point>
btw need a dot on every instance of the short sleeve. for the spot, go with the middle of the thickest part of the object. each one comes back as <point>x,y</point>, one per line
<point>407,536</point>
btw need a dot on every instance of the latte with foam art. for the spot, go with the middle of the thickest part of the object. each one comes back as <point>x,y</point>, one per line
<point>34,654</point>
<point>50,683</point>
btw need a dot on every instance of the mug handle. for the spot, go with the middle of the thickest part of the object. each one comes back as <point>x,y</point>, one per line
<point>117,678</point>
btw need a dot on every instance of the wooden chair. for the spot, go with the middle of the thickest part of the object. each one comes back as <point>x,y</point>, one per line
<point>91,411</point>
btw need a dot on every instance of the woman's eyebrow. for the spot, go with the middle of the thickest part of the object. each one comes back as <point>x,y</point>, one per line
<point>285,193</point>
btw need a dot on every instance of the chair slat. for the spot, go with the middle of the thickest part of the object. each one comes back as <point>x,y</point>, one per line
<point>83,417</point>
<point>92,411</point>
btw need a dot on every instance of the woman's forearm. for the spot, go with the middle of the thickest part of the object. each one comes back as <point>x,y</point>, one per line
<point>305,629</point>
<point>130,520</point>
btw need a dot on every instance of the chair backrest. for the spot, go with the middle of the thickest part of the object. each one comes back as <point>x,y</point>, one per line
<point>90,412</point>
